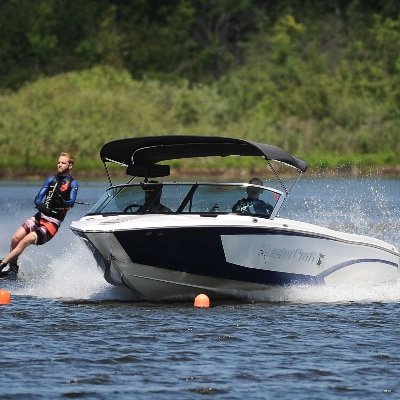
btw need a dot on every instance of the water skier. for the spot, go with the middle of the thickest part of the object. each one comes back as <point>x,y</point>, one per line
<point>55,198</point>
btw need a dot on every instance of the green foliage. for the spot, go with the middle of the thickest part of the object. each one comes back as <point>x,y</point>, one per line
<point>321,81</point>
<point>79,112</point>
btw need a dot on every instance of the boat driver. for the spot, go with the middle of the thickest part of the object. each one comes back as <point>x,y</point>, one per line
<point>252,204</point>
<point>55,198</point>
<point>153,198</point>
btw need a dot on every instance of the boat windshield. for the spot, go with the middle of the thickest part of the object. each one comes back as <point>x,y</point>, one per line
<point>190,198</point>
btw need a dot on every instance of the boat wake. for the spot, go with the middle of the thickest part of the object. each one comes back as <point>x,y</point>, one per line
<point>73,276</point>
<point>307,294</point>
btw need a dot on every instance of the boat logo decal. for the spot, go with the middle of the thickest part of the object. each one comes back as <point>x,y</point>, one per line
<point>292,255</point>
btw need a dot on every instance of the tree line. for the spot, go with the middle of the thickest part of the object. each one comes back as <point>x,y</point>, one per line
<point>194,39</point>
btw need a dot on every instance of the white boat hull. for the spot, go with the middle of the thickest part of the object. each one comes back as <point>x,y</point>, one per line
<point>178,257</point>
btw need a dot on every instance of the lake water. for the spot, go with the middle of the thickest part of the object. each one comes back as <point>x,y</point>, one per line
<point>68,334</point>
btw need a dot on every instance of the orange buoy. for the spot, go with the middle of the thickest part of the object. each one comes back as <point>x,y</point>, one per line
<point>202,301</point>
<point>5,296</point>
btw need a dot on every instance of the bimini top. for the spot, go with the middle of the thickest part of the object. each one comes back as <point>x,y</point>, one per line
<point>149,150</point>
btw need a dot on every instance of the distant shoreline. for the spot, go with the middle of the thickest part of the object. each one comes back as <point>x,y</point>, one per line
<point>10,174</point>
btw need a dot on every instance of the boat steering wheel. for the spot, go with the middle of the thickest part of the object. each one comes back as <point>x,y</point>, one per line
<point>130,207</point>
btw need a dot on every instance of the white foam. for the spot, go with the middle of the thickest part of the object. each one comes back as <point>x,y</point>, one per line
<point>385,293</point>
<point>73,275</point>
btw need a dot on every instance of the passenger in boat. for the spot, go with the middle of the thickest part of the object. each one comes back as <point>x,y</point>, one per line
<point>252,204</point>
<point>153,194</point>
<point>55,198</point>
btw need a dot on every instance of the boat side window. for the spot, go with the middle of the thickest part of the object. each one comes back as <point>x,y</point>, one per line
<point>212,198</point>
<point>118,199</point>
<point>170,197</point>
<point>156,198</point>
<point>103,201</point>
<point>132,199</point>
<point>128,199</point>
<point>195,198</point>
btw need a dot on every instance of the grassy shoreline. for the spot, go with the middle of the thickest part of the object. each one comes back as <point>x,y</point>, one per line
<point>8,174</point>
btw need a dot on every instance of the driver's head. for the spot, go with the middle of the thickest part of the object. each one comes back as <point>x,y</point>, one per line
<point>153,190</point>
<point>254,192</point>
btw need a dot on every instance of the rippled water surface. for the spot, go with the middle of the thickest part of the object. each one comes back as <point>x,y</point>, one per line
<point>68,334</point>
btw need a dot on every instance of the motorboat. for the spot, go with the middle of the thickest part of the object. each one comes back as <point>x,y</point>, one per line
<point>169,241</point>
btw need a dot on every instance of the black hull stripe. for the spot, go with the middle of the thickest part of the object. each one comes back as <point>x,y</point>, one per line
<point>199,252</point>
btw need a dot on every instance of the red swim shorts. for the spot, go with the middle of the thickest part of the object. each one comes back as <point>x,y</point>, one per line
<point>44,229</point>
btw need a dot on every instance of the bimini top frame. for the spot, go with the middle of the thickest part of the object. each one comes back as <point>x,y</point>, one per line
<point>140,155</point>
